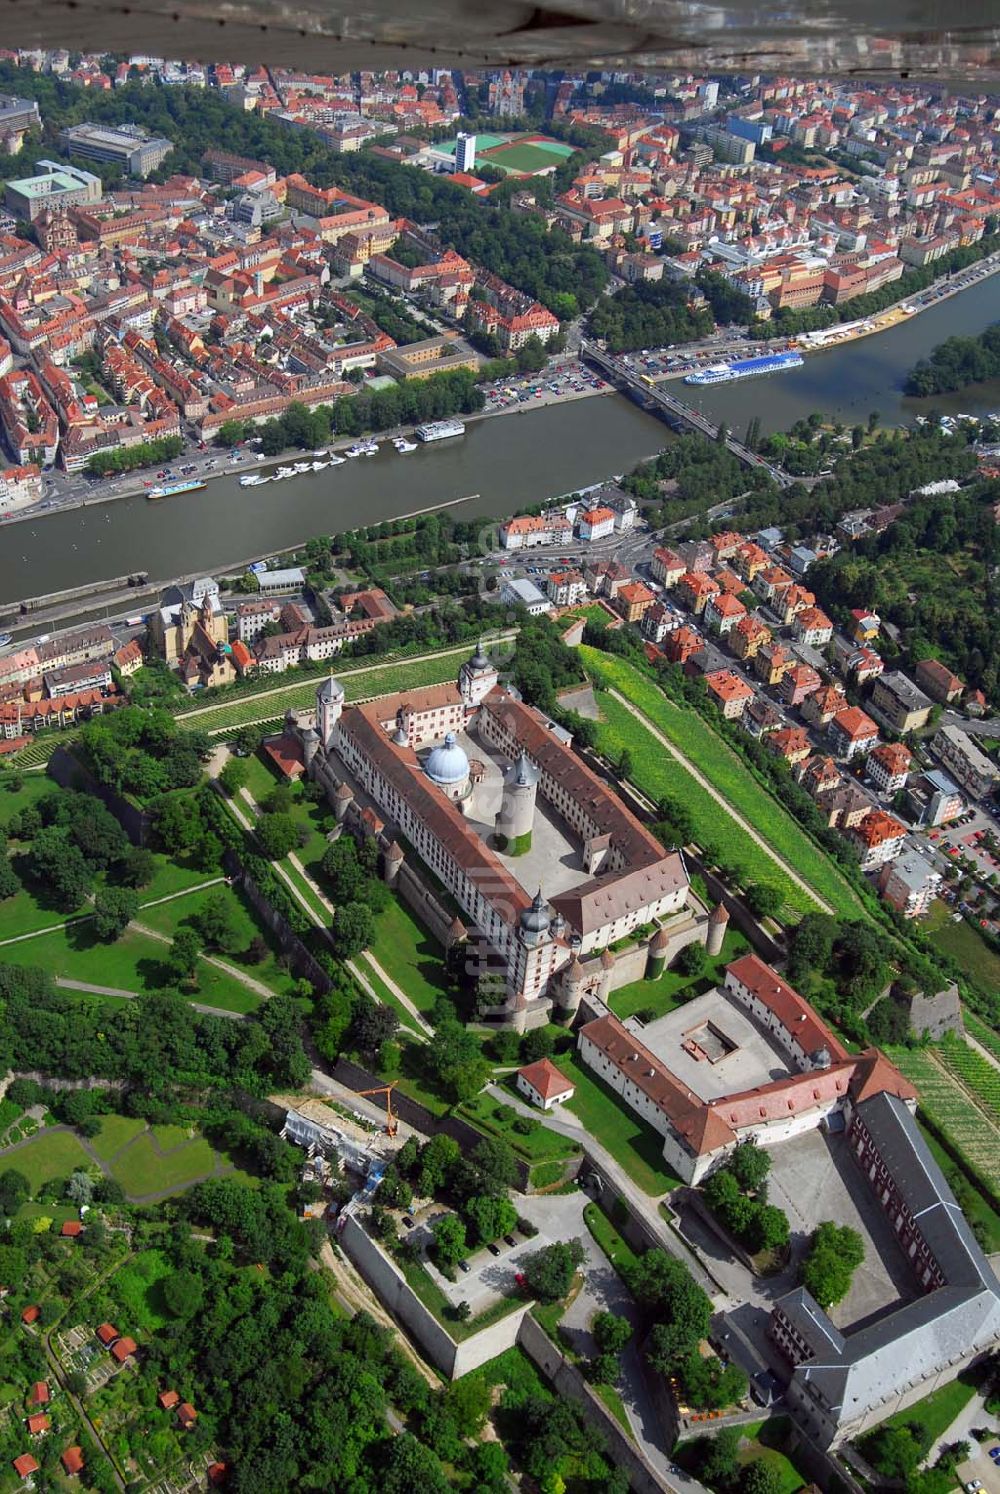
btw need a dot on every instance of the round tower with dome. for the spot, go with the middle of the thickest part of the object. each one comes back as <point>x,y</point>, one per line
<point>447,766</point>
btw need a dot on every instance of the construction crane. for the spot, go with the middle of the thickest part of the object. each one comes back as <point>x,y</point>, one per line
<point>391,1122</point>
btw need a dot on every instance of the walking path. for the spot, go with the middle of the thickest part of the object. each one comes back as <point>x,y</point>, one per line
<point>425,1027</point>
<point>55,928</point>
<point>644,1207</point>
<point>90,990</point>
<point>258,988</point>
<point>723,803</point>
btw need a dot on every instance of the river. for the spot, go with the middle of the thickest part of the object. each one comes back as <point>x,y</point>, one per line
<point>507,461</point>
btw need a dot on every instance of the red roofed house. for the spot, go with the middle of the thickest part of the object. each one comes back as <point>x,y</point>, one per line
<point>544,1085</point>
<point>812,626</point>
<point>30,1315</point>
<point>39,1394</point>
<point>694,589</point>
<point>723,612</point>
<point>38,1424</point>
<point>633,599</point>
<point>72,1229</point>
<point>73,1461</point>
<point>878,839</point>
<point>799,682</point>
<point>124,1349</point>
<point>666,567</point>
<point>888,766</point>
<point>729,693</point>
<point>791,743</point>
<point>187,1415</point>
<point>596,523</point>
<point>107,1334</point>
<point>748,636</point>
<point>168,1399</point>
<point>938,682</point>
<point>852,733</point>
<point>25,1465</point>
<point>681,644</point>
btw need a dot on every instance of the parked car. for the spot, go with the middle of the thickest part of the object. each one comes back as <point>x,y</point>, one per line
<point>464,1267</point>
<point>509,1240</point>
<point>493,1249</point>
<point>408,1221</point>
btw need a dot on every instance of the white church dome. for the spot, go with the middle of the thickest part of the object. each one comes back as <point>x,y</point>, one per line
<point>447,764</point>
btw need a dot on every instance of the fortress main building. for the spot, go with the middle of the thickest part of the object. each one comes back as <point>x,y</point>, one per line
<point>548,866</point>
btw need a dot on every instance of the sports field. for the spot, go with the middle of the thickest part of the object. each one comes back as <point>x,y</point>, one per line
<point>525,157</point>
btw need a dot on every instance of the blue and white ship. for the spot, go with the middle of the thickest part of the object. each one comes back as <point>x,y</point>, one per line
<point>745,368</point>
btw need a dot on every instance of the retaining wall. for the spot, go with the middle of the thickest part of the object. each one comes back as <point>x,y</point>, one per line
<point>301,961</point>
<point>387,1281</point>
<point>568,1382</point>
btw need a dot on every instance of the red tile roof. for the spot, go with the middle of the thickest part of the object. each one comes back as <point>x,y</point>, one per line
<point>39,1393</point>
<point>107,1333</point>
<point>38,1423</point>
<point>71,1228</point>
<point>123,1349</point>
<point>546,1079</point>
<point>168,1399</point>
<point>792,1010</point>
<point>30,1314</point>
<point>187,1415</point>
<point>25,1465</point>
<point>72,1460</point>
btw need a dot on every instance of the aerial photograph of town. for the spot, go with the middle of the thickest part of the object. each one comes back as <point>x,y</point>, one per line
<point>499,774</point>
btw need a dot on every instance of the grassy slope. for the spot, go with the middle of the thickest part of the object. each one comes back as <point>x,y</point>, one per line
<point>697,741</point>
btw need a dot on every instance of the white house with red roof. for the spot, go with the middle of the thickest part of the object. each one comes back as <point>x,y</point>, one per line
<point>544,1085</point>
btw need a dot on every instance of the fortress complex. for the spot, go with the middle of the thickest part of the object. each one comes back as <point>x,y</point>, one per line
<point>548,866</point>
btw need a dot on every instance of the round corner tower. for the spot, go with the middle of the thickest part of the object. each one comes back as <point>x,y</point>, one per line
<point>516,815</point>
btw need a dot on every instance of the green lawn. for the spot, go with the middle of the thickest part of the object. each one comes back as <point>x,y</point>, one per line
<point>141,1170</point>
<point>50,1154</point>
<point>389,998</point>
<point>115,1131</point>
<point>633,1144</point>
<point>937,1411</point>
<point>34,786</point>
<point>410,955</point>
<point>674,988</point>
<point>166,918</point>
<point>965,944</point>
<point>360,681</point>
<point>496,1118</point>
<point>767,1448</point>
<point>728,773</point>
<point>133,963</point>
<point>618,1251</point>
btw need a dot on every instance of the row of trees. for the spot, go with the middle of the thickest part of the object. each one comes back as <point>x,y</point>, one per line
<point>681,1314</point>
<point>409,403</point>
<point>130,458</point>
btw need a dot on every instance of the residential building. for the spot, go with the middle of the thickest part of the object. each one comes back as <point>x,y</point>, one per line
<point>667,567</point>
<point>877,839</point>
<point>748,636</point>
<point>940,684</point>
<point>798,682</point>
<point>909,884</point>
<point>770,663</point>
<point>889,766</point>
<point>731,694</point>
<point>722,613</point>
<point>530,530</point>
<point>865,626</point>
<point>969,765</point>
<point>934,798</point>
<point>812,626</point>
<point>820,707</point>
<point>852,733</point>
<point>898,704</point>
<point>633,599</point>
<point>694,589</point>
<point>465,152</point>
<point>565,588</point>
<point>596,523</point>
<point>790,743</point>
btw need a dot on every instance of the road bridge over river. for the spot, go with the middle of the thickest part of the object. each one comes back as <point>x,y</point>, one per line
<point>655,398</point>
